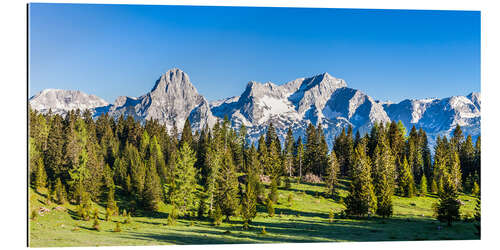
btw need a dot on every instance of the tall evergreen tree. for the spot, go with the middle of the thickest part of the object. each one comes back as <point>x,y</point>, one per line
<point>227,189</point>
<point>288,154</point>
<point>361,199</point>
<point>185,186</point>
<point>333,173</point>
<point>383,178</point>
<point>151,196</point>
<point>406,183</point>
<point>448,208</point>
<point>54,153</point>
<point>187,135</point>
<point>40,176</point>
<point>299,156</point>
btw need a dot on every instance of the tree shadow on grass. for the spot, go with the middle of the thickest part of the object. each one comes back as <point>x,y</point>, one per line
<point>304,229</point>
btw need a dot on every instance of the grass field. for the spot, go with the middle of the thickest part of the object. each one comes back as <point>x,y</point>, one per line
<point>305,220</point>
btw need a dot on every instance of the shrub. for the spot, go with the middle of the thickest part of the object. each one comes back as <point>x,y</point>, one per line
<point>34,214</point>
<point>96,225</point>
<point>128,220</point>
<point>108,213</point>
<point>217,216</point>
<point>117,228</point>
<point>288,183</point>
<point>270,208</point>
<point>475,189</point>
<point>96,213</point>
<point>290,199</point>
<point>311,178</point>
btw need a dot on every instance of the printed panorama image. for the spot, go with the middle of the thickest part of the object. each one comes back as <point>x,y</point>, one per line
<point>160,125</point>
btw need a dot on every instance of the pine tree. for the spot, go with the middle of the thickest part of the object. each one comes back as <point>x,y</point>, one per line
<point>249,202</point>
<point>299,156</point>
<point>423,186</point>
<point>213,162</point>
<point>270,207</point>
<point>475,189</point>
<point>273,195</point>
<point>185,185</point>
<point>434,187</point>
<point>187,135</point>
<point>111,203</point>
<point>227,188</point>
<point>448,208</point>
<point>457,139</point>
<point>288,154</point>
<point>383,177</point>
<point>60,192</point>
<point>311,149</point>
<point>332,174</point>
<point>323,158</point>
<point>273,164</point>
<point>455,173</point>
<point>467,158</point>
<point>40,176</point>
<point>152,192</point>
<point>361,199</point>
<point>406,183</point>
<point>54,153</point>
<point>263,154</point>
<point>217,216</point>
<point>426,153</point>
<point>477,158</point>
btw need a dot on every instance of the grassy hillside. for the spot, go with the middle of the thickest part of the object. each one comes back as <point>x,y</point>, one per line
<point>305,220</point>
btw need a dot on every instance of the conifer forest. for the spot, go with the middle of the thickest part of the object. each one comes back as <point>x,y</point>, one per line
<point>92,180</point>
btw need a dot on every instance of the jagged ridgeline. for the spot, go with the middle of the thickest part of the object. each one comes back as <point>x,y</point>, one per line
<point>321,99</point>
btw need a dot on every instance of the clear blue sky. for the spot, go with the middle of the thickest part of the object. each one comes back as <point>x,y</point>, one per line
<point>114,50</point>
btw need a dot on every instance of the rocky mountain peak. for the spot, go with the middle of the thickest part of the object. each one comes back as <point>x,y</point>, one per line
<point>60,101</point>
<point>174,80</point>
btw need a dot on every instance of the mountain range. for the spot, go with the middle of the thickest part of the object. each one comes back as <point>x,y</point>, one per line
<point>321,99</point>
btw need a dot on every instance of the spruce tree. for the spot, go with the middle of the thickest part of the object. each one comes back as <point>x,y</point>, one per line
<point>249,202</point>
<point>152,192</point>
<point>383,177</point>
<point>111,203</point>
<point>185,186</point>
<point>299,156</point>
<point>448,208</point>
<point>406,183</point>
<point>288,154</point>
<point>187,135</point>
<point>434,187</point>
<point>475,189</point>
<point>270,207</point>
<point>40,176</point>
<point>227,188</point>
<point>54,153</point>
<point>60,192</point>
<point>333,173</point>
<point>423,186</point>
<point>361,199</point>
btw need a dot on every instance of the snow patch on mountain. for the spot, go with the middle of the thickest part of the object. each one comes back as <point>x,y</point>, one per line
<point>60,101</point>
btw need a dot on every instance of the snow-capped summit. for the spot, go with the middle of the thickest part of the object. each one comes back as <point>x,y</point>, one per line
<point>439,116</point>
<point>320,99</point>
<point>60,101</point>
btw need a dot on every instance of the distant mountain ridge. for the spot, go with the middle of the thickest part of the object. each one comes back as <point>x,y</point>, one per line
<point>321,99</point>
